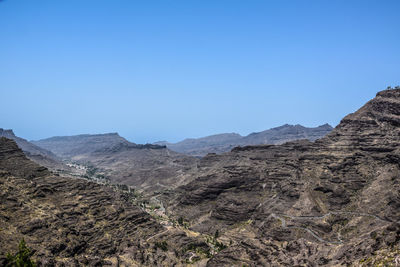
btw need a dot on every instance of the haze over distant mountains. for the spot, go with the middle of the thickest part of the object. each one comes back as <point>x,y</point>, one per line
<point>152,167</point>
<point>220,143</point>
<point>148,167</point>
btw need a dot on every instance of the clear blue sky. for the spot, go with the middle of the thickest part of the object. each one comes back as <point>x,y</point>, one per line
<point>166,70</point>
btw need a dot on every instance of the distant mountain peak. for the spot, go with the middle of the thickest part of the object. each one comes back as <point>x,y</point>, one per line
<point>326,125</point>
<point>4,132</point>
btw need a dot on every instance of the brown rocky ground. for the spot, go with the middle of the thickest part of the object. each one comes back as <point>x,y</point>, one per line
<point>335,201</point>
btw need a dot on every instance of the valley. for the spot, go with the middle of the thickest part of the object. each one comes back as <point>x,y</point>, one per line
<point>330,201</point>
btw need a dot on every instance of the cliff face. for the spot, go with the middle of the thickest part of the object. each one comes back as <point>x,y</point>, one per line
<point>332,201</point>
<point>225,142</point>
<point>73,222</point>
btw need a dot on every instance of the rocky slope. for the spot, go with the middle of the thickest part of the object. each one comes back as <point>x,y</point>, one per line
<point>73,222</point>
<point>335,201</point>
<point>39,155</point>
<point>225,142</point>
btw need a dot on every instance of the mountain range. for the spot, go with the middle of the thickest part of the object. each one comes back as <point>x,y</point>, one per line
<point>220,143</point>
<point>159,166</point>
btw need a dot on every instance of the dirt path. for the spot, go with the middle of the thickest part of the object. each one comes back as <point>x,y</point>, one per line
<point>151,237</point>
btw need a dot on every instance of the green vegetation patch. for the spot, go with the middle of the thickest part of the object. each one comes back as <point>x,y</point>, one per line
<point>22,258</point>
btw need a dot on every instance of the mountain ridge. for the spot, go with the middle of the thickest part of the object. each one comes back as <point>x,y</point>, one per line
<point>36,153</point>
<point>220,143</point>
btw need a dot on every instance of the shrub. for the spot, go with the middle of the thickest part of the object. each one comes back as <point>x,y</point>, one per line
<point>216,235</point>
<point>162,245</point>
<point>22,258</point>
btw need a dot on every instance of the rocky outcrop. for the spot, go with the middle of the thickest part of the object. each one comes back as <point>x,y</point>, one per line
<point>225,142</point>
<point>334,201</point>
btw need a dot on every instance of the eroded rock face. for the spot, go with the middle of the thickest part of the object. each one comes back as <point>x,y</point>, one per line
<point>73,222</point>
<point>302,202</point>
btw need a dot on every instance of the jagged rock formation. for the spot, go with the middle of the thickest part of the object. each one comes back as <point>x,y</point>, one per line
<point>39,155</point>
<point>148,167</point>
<point>225,142</point>
<point>73,222</point>
<point>335,201</point>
